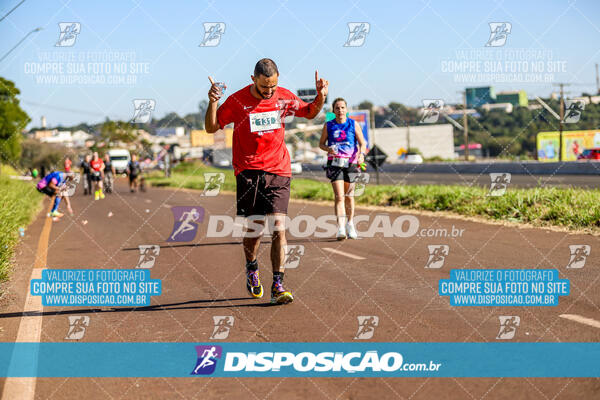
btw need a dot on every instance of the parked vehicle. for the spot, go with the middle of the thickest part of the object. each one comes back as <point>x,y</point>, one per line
<point>296,167</point>
<point>119,158</point>
<point>413,158</point>
<point>590,154</point>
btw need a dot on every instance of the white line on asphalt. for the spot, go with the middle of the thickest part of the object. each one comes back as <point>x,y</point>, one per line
<point>30,327</point>
<point>344,253</point>
<point>581,320</point>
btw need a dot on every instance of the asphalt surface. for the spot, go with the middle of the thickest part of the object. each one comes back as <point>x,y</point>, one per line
<point>205,278</point>
<point>387,177</point>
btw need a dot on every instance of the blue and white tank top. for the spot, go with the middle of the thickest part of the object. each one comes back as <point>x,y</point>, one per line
<point>343,138</point>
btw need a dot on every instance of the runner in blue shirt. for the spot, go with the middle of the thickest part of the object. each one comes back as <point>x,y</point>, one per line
<point>346,147</point>
<point>52,185</point>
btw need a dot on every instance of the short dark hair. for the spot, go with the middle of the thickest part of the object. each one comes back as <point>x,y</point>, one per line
<point>338,99</point>
<point>266,67</point>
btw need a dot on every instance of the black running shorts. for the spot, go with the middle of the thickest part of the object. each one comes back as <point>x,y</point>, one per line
<point>348,174</point>
<point>262,193</point>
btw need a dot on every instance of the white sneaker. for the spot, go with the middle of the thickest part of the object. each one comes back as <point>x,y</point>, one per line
<point>341,233</point>
<point>351,231</point>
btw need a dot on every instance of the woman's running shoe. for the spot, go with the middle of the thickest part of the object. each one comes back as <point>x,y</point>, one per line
<point>351,232</point>
<point>341,233</point>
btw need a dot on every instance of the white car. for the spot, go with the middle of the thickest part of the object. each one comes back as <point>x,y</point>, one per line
<point>296,168</point>
<point>119,159</point>
<point>413,159</point>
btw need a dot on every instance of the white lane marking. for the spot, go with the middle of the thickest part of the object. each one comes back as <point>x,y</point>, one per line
<point>30,330</point>
<point>344,253</point>
<point>30,327</point>
<point>581,320</point>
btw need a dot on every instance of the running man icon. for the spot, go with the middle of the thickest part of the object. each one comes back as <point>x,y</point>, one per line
<point>366,326</point>
<point>186,220</point>
<point>437,255</point>
<point>499,183</point>
<point>508,327</point>
<point>207,359</point>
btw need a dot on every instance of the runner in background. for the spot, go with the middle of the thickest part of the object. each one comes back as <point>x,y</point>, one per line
<point>86,174</point>
<point>345,145</point>
<point>68,164</point>
<point>167,161</point>
<point>133,172</point>
<point>51,185</point>
<point>97,171</point>
<point>109,174</point>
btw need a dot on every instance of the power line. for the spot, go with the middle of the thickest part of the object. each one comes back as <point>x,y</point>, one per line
<point>13,9</point>
<point>73,110</point>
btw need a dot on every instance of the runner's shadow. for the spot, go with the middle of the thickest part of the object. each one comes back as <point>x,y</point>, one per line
<point>187,305</point>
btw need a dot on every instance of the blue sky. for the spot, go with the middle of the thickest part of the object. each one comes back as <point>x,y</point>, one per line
<point>400,60</point>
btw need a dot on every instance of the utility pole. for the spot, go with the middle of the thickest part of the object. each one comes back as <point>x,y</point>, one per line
<point>407,137</point>
<point>20,41</point>
<point>561,120</point>
<point>465,125</point>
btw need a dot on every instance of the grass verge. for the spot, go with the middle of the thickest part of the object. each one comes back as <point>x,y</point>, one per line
<point>572,208</point>
<point>19,203</point>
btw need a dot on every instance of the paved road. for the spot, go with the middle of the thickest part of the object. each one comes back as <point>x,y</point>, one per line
<point>204,278</point>
<point>420,178</point>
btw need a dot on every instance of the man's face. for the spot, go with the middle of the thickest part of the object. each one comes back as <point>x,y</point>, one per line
<point>265,86</point>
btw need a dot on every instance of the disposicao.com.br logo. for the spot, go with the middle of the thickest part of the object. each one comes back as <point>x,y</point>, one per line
<point>325,362</point>
<point>307,225</point>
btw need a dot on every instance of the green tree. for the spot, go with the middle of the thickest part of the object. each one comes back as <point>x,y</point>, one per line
<point>365,105</point>
<point>172,120</point>
<point>12,121</point>
<point>117,131</point>
<point>36,154</point>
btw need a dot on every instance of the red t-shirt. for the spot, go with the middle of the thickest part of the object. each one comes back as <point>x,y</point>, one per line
<point>259,128</point>
<point>68,164</point>
<point>97,164</point>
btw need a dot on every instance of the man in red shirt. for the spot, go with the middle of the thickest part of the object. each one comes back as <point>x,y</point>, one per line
<point>261,161</point>
<point>96,171</point>
<point>68,164</point>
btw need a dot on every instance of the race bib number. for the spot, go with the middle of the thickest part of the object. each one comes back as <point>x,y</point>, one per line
<point>340,162</point>
<point>265,121</point>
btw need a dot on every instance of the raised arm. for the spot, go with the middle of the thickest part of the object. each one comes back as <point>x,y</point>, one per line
<point>322,86</point>
<point>211,125</point>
